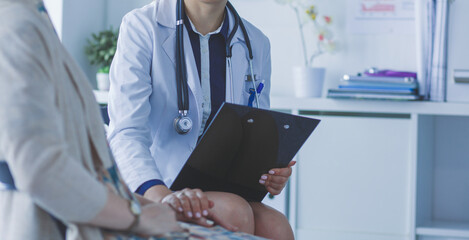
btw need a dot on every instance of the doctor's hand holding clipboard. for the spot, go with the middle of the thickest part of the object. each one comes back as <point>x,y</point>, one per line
<point>176,63</point>
<point>277,179</point>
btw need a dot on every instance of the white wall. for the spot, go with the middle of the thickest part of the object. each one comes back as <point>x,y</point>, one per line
<point>278,22</point>
<point>55,10</point>
<point>78,23</point>
<point>75,21</point>
<point>116,9</point>
<point>356,52</point>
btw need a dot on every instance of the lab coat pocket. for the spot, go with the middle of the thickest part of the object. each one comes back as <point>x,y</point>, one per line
<point>248,83</point>
<point>248,87</point>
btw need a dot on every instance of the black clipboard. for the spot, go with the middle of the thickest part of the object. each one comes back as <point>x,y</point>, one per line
<point>240,145</point>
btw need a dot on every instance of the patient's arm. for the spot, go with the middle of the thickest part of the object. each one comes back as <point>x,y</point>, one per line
<point>143,201</point>
<point>156,218</point>
<point>33,138</point>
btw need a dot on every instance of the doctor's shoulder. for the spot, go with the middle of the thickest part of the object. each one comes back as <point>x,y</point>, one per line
<point>258,39</point>
<point>142,17</point>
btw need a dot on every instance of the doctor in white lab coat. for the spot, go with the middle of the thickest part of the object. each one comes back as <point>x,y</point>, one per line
<point>143,106</point>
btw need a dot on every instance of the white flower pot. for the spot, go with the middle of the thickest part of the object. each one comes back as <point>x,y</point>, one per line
<point>102,80</point>
<point>308,81</point>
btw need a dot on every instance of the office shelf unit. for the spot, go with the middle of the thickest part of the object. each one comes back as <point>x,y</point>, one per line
<point>381,170</point>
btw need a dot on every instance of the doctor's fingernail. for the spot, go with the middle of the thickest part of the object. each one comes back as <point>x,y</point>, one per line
<point>271,172</point>
<point>189,214</point>
<point>205,213</point>
<point>197,215</point>
<point>180,209</point>
<point>261,181</point>
<point>264,177</point>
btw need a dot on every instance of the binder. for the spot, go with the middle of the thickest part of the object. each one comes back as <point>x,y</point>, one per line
<point>239,146</point>
<point>457,85</point>
<point>348,94</point>
<point>371,89</point>
<point>380,79</point>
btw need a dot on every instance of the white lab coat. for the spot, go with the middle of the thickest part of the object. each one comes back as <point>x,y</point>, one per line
<point>143,98</point>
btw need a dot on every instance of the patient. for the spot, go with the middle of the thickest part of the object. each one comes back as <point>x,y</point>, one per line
<point>52,137</point>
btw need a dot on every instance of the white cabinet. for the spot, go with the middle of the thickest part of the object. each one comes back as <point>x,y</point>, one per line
<point>354,177</point>
<point>381,170</point>
<point>443,178</point>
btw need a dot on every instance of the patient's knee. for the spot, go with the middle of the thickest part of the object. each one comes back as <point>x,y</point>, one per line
<point>233,209</point>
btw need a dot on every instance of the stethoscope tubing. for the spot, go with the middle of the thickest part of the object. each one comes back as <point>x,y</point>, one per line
<point>181,71</point>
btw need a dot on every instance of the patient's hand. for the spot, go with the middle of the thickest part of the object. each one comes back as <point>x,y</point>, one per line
<point>192,205</point>
<point>157,219</point>
<point>207,221</point>
<point>277,178</point>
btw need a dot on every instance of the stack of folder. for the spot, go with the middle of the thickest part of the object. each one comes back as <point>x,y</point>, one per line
<point>377,86</point>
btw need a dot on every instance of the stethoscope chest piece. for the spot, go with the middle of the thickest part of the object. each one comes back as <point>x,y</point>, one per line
<point>183,124</point>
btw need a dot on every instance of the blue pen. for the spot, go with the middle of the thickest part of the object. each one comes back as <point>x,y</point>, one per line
<point>260,87</point>
<point>252,96</point>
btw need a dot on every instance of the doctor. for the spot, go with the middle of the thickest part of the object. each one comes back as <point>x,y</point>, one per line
<point>147,98</point>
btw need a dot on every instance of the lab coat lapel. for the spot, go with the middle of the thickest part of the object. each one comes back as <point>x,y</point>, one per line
<point>193,80</point>
<point>169,47</point>
<point>166,14</point>
<point>239,65</point>
<point>166,17</point>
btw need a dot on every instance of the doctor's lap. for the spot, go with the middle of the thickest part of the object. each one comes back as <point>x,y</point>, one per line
<point>176,63</point>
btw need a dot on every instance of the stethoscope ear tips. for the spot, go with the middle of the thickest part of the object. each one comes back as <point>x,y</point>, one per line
<point>182,124</point>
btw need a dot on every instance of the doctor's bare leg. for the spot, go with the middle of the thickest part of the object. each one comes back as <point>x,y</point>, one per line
<point>253,218</point>
<point>270,223</point>
<point>233,209</point>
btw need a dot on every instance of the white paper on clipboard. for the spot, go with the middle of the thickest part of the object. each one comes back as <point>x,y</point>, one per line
<point>381,16</point>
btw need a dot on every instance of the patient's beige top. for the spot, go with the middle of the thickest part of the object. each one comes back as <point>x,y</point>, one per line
<point>49,120</point>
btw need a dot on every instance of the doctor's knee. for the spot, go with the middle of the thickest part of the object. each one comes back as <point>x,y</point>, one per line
<point>233,209</point>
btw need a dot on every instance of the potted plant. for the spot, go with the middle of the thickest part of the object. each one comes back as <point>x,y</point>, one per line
<point>309,80</point>
<point>100,51</point>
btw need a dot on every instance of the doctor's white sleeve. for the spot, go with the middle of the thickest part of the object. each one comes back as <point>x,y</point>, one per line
<point>129,106</point>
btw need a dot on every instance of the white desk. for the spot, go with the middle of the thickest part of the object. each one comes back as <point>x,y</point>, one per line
<point>381,170</point>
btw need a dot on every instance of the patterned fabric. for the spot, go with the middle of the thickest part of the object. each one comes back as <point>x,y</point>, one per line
<point>193,232</point>
<point>215,233</point>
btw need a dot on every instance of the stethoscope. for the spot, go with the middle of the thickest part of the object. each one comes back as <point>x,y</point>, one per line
<point>182,123</point>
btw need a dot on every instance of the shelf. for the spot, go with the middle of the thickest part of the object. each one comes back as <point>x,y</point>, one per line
<point>347,105</point>
<point>371,106</point>
<point>444,229</point>
<point>101,96</point>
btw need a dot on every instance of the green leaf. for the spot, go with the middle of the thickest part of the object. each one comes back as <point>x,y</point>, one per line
<point>101,47</point>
